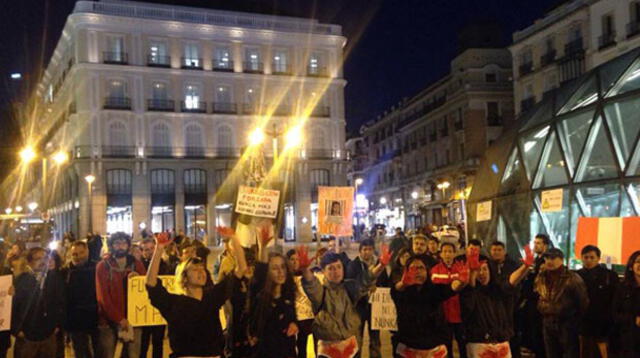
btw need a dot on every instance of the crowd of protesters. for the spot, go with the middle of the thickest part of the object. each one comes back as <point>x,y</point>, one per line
<point>450,296</point>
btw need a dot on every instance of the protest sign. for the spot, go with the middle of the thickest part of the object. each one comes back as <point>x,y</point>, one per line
<point>335,209</point>
<point>383,310</point>
<point>616,237</point>
<point>140,312</point>
<point>5,302</point>
<point>551,200</point>
<point>483,211</point>
<point>257,202</point>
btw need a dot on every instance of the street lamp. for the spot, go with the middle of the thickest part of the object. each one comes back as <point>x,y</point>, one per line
<point>359,182</point>
<point>383,200</point>
<point>18,209</point>
<point>90,179</point>
<point>60,157</point>
<point>32,206</point>
<point>414,195</point>
<point>27,155</point>
<point>444,186</point>
<point>256,137</point>
<point>8,211</point>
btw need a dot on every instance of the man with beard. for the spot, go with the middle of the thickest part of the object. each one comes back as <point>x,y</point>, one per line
<point>111,283</point>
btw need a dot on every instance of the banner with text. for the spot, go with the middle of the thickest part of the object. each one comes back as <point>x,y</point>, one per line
<point>140,312</point>
<point>257,202</point>
<point>5,302</point>
<point>551,200</point>
<point>383,310</point>
<point>483,211</point>
<point>335,208</point>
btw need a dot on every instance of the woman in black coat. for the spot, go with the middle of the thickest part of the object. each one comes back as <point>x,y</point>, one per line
<point>626,309</point>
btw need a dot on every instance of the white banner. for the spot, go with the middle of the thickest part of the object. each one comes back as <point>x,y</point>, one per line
<point>483,211</point>
<point>383,310</point>
<point>257,202</point>
<point>5,302</point>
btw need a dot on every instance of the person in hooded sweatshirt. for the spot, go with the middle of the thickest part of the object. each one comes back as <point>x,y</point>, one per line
<point>486,306</point>
<point>422,328</point>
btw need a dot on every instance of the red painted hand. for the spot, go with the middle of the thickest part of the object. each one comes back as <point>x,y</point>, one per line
<point>385,256</point>
<point>225,231</point>
<point>409,277</point>
<point>528,259</point>
<point>473,258</point>
<point>303,257</point>
<point>163,239</point>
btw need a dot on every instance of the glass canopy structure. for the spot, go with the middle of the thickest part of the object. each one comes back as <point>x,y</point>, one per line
<point>581,138</point>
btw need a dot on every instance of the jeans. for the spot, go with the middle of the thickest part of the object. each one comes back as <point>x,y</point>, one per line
<point>109,339</point>
<point>34,349</point>
<point>561,338</point>
<point>86,343</point>
<point>458,333</point>
<point>374,341</point>
<point>156,334</point>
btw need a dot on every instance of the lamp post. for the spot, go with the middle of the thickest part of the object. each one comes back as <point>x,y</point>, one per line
<point>444,186</point>
<point>90,179</point>
<point>357,183</point>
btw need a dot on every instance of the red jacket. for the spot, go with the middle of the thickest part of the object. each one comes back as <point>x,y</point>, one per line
<point>111,286</point>
<point>442,274</point>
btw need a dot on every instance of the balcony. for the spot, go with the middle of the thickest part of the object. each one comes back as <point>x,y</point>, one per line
<point>281,69</point>
<point>444,132</point>
<point>224,107</point>
<point>633,28</point>
<point>158,61</point>
<point>161,105</point>
<point>606,40</point>
<point>527,104</point>
<point>526,68</point>
<point>117,103</point>
<point>189,63</point>
<point>222,66</point>
<point>193,107</point>
<point>250,108</point>
<point>283,110</point>
<point>494,120</point>
<point>321,111</point>
<point>115,58</point>
<point>458,126</point>
<point>118,151</point>
<point>159,152</point>
<point>194,152</point>
<point>252,67</point>
<point>573,47</point>
<point>548,58</point>
<point>222,152</point>
<point>319,153</point>
<point>316,71</point>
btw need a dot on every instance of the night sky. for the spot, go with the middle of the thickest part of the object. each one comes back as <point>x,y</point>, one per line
<point>395,48</point>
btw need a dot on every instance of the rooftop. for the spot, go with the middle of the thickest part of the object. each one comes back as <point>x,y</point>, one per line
<point>561,11</point>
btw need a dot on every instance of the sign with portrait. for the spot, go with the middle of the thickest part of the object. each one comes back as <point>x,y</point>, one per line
<point>335,208</point>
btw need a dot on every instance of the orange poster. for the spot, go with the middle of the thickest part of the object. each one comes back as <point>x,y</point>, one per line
<point>335,208</point>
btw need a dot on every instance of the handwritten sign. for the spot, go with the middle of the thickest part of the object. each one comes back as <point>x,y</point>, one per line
<point>5,302</point>
<point>140,312</point>
<point>383,310</point>
<point>335,210</point>
<point>551,200</point>
<point>483,211</point>
<point>257,202</point>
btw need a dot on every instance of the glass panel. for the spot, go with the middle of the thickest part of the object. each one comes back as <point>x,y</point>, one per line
<point>514,176</point>
<point>629,81</point>
<point>514,211</point>
<point>223,94</point>
<point>565,91</point>
<point>573,133</point>
<point>602,200</point>
<point>159,91</point>
<point>541,113</point>
<point>584,96</point>
<point>598,161</point>
<point>612,70</point>
<point>556,223</point>
<point>624,121</point>
<point>552,169</point>
<point>626,207</point>
<point>195,220</point>
<point>162,218</point>
<point>223,57</point>
<point>633,191</point>
<point>119,219</point>
<point>531,147</point>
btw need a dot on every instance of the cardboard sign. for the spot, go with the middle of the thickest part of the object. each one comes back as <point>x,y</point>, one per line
<point>383,310</point>
<point>483,211</point>
<point>5,302</point>
<point>257,202</point>
<point>335,208</point>
<point>140,312</point>
<point>551,200</point>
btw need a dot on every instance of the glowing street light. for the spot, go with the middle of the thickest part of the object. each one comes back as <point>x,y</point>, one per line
<point>90,178</point>
<point>359,181</point>
<point>444,186</point>
<point>18,209</point>
<point>60,157</point>
<point>383,200</point>
<point>414,195</point>
<point>256,137</point>
<point>294,137</point>
<point>32,206</point>
<point>8,211</point>
<point>27,155</point>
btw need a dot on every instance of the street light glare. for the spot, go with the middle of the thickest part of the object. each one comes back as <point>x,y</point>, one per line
<point>294,137</point>
<point>33,206</point>
<point>8,211</point>
<point>90,178</point>
<point>18,209</point>
<point>60,157</point>
<point>27,155</point>
<point>359,181</point>
<point>256,137</point>
<point>414,195</point>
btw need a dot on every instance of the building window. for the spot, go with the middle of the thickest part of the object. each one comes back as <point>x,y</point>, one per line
<point>280,61</point>
<point>191,56</point>
<point>192,97</point>
<point>252,59</point>
<point>118,182</point>
<point>222,58</point>
<point>159,91</point>
<point>225,137</point>
<point>493,113</point>
<point>315,66</point>
<point>158,53</point>
<point>115,50</point>
<point>608,31</point>
<point>117,89</point>
<point>223,94</point>
<point>195,181</point>
<point>319,177</point>
<point>490,77</point>
<point>117,134</point>
<point>162,181</point>
<point>161,137</point>
<point>193,140</point>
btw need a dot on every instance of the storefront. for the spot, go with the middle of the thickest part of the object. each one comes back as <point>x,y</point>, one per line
<point>582,142</point>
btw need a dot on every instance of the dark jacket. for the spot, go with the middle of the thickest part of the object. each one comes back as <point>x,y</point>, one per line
<point>487,312</point>
<point>82,304</point>
<point>421,322</point>
<point>38,307</point>
<point>562,298</point>
<point>505,269</point>
<point>626,307</point>
<point>601,286</point>
<point>398,242</point>
<point>356,271</point>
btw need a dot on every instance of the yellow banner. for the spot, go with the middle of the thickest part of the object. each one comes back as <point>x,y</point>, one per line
<point>140,312</point>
